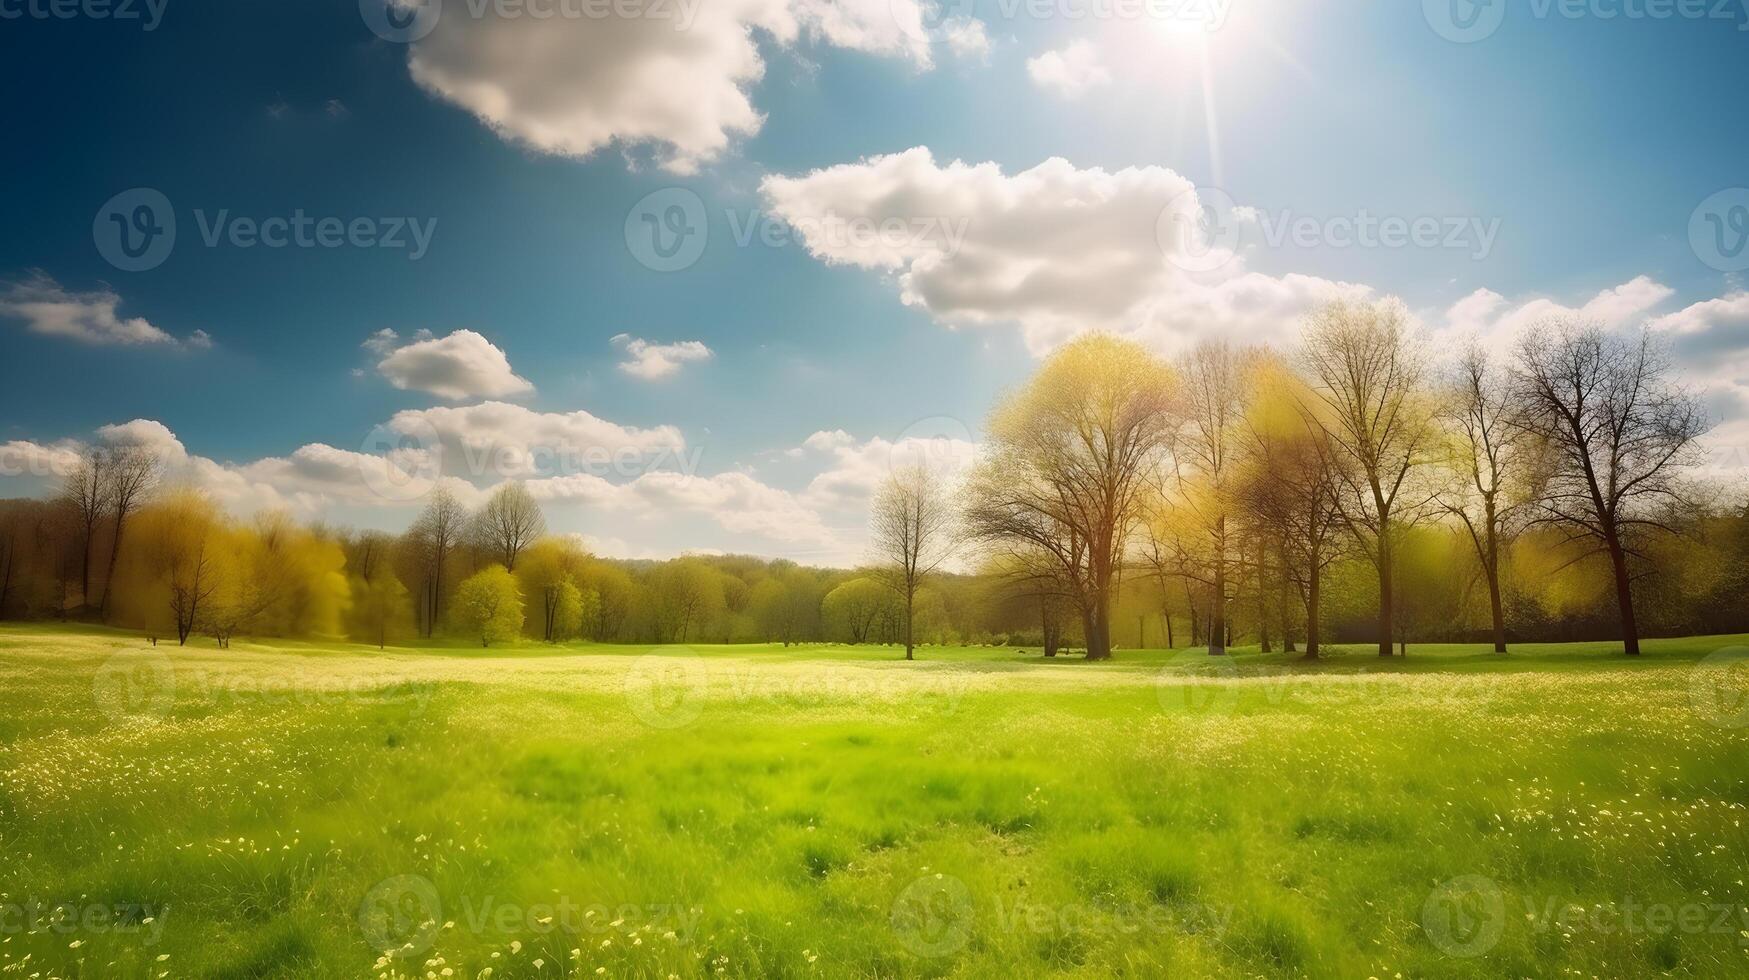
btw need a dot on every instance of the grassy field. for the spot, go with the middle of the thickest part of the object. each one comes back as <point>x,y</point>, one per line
<point>325,810</point>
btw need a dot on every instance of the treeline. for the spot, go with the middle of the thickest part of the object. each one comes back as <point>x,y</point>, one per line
<point>114,547</point>
<point>1541,492</point>
<point>1357,489</point>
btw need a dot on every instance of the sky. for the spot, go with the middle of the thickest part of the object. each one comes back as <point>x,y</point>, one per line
<point>700,271</point>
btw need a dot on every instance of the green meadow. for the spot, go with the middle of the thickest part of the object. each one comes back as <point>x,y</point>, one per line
<point>328,810</point>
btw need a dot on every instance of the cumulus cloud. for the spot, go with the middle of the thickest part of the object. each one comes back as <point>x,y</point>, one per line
<point>45,307</point>
<point>1056,249</point>
<point>676,77</point>
<point>651,361</point>
<point>1069,72</point>
<point>459,366</point>
<point>500,440</point>
<point>1497,324</point>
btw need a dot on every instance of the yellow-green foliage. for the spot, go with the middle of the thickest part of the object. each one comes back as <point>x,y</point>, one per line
<point>488,604</point>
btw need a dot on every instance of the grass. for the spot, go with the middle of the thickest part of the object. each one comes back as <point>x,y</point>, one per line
<point>325,810</point>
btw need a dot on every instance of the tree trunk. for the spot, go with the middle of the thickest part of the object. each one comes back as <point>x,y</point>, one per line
<point>1166,615</point>
<point>1282,604</point>
<point>1624,594</point>
<point>1491,564</point>
<point>1099,631</point>
<point>1218,614</point>
<point>1050,628</point>
<point>1387,597</point>
<point>910,603</point>
<point>1312,583</point>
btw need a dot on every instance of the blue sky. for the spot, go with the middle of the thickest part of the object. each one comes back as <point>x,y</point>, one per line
<point>1584,142</point>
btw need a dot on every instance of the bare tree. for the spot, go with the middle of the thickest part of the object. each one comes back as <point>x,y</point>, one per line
<point>1204,456</point>
<point>911,525</point>
<point>1617,431</point>
<point>1485,449</point>
<point>1367,375</point>
<point>131,474</point>
<point>86,490</point>
<point>435,535</point>
<point>510,521</point>
<point>1069,467</point>
<point>1291,491</point>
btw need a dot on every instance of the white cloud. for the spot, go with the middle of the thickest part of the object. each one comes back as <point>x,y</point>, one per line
<point>460,366</point>
<point>1497,324</point>
<point>651,361</point>
<point>677,78</point>
<point>1069,72</point>
<point>45,307</point>
<point>498,440</point>
<point>1056,249</point>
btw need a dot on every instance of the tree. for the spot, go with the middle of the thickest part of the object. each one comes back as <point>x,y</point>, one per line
<point>1205,458</point>
<point>86,490</point>
<point>1484,450</point>
<point>684,593</point>
<point>1367,374</point>
<point>911,524</point>
<point>131,473</point>
<point>571,608</point>
<point>1068,462</point>
<point>432,538</point>
<point>380,607</point>
<point>549,565</point>
<point>1616,430</point>
<point>852,609</point>
<point>1289,487</point>
<point>489,605</point>
<point>509,521</point>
